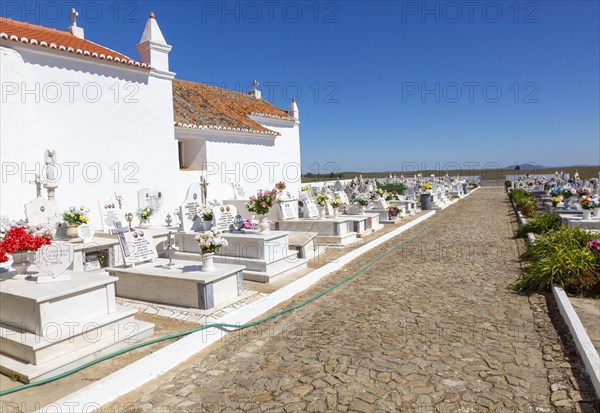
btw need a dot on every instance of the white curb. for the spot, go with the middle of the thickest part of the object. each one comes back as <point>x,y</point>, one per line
<point>586,348</point>
<point>150,367</point>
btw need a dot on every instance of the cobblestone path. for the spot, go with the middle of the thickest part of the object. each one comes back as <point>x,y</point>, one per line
<point>432,327</point>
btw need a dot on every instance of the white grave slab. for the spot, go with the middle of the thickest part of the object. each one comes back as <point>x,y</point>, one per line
<point>224,216</point>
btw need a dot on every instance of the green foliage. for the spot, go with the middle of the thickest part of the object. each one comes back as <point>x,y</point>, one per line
<point>561,257</point>
<point>539,224</point>
<point>524,202</point>
<point>400,188</point>
<point>507,184</point>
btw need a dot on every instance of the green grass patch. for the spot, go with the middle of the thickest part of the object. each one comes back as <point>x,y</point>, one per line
<point>539,224</point>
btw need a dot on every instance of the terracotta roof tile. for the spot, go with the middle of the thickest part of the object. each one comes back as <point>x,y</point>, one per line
<point>201,106</point>
<point>32,34</point>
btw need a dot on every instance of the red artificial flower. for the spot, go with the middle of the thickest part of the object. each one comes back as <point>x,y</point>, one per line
<point>18,239</point>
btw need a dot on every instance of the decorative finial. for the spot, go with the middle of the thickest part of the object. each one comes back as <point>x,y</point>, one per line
<point>73,16</point>
<point>152,15</point>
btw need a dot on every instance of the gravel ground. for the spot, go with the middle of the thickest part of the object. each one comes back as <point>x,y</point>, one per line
<point>432,327</point>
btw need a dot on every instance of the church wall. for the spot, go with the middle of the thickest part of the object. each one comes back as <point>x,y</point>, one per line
<point>111,126</point>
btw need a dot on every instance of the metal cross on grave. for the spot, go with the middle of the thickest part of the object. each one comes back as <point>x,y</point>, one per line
<point>120,230</point>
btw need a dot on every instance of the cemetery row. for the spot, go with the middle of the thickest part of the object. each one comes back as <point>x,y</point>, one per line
<point>58,269</point>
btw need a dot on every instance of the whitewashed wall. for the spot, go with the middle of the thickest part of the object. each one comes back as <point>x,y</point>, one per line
<point>114,134</point>
<point>254,161</point>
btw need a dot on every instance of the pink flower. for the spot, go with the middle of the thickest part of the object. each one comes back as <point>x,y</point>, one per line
<point>264,203</point>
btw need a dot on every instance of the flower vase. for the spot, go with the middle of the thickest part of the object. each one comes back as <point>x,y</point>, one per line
<point>144,224</point>
<point>587,214</point>
<point>21,263</point>
<point>263,224</point>
<point>596,214</point>
<point>208,263</point>
<point>363,209</point>
<point>566,202</point>
<point>207,225</point>
<point>72,231</point>
<point>322,211</point>
<point>335,212</point>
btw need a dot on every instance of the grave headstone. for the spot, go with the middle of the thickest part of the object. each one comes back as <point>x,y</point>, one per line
<point>41,211</point>
<point>136,245</point>
<point>343,197</point>
<point>53,261</point>
<point>190,210</point>
<point>224,216</point>
<point>380,204</point>
<point>310,208</point>
<point>110,213</point>
<point>148,198</point>
<point>92,262</point>
<point>288,209</point>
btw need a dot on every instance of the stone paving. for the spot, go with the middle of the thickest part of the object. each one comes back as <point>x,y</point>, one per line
<point>432,327</point>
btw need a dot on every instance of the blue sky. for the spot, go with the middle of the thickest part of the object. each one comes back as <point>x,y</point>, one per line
<point>386,84</point>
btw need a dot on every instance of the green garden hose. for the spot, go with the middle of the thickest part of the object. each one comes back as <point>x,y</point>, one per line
<point>216,325</point>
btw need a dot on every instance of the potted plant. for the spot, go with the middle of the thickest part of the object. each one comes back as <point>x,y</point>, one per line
<point>207,218</point>
<point>280,186</point>
<point>555,200</point>
<point>210,243</point>
<point>322,199</point>
<point>393,212</point>
<point>425,197</point>
<point>567,193</point>
<point>589,204</point>
<point>74,217</point>
<point>144,215</point>
<point>336,203</point>
<point>21,242</point>
<point>362,201</point>
<point>260,204</point>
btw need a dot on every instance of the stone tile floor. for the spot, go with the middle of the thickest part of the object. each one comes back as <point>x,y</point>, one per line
<point>432,327</point>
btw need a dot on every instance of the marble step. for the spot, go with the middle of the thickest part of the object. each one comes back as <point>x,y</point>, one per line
<point>28,372</point>
<point>56,342</point>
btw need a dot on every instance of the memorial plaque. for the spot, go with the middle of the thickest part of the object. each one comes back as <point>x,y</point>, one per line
<point>288,209</point>
<point>224,216</point>
<point>191,209</point>
<point>110,213</point>
<point>152,199</point>
<point>137,247</point>
<point>84,231</point>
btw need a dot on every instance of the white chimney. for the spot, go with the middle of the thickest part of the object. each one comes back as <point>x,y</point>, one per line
<point>293,110</point>
<point>74,29</point>
<point>255,91</point>
<point>153,47</point>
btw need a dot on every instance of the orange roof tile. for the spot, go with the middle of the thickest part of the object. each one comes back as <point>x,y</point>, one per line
<point>202,106</point>
<point>32,34</point>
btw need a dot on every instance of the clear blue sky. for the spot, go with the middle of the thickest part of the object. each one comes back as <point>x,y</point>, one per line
<point>359,70</point>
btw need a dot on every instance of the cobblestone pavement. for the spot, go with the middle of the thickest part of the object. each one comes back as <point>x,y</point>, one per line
<point>432,327</point>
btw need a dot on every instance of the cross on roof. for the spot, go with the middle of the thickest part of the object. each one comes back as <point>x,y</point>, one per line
<point>73,16</point>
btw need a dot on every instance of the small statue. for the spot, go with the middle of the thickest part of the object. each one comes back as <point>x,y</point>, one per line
<point>51,165</point>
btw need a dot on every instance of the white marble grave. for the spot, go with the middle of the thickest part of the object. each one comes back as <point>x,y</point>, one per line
<point>47,329</point>
<point>184,284</point>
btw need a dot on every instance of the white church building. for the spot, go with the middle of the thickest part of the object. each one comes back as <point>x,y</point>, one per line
<point>118,125</point>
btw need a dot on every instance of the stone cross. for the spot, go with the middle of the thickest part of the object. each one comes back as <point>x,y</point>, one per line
<point>120,230</point>
<point>73,16</point>
<point>38,186</point>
